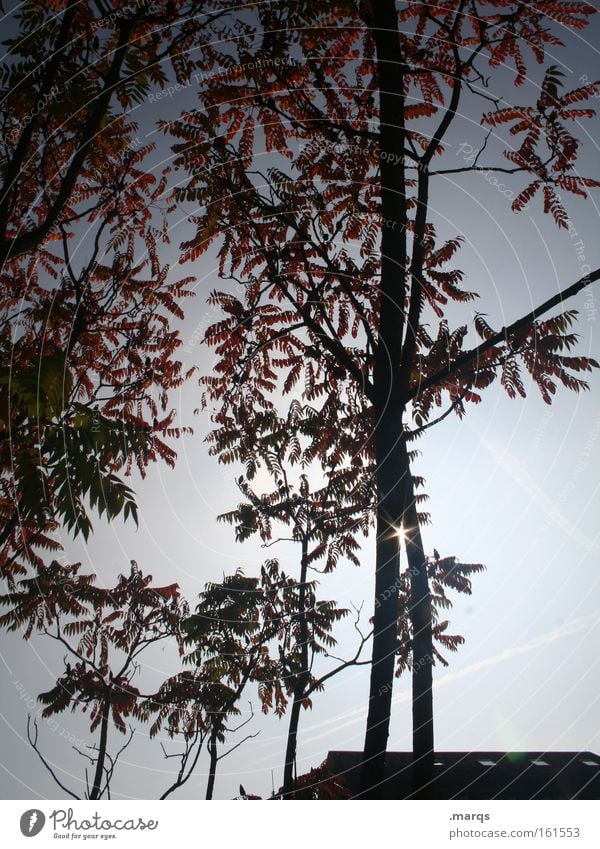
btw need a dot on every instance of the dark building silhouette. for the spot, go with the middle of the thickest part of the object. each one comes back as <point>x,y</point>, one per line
<point>484,775</point>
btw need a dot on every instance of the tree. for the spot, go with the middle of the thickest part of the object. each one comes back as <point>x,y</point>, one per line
<point>230,637</point>
<point>338,260</point>
<point>88,355</point>
<point>104,632</point>
<point>443,573</point>
<point>71,74</point>
<point>324,522</point>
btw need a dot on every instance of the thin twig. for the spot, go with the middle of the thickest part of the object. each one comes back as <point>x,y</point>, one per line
<point>33,744</point>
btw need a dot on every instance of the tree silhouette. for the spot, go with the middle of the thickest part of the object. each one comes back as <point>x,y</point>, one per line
<point>339,265</point>
<point>71,74</point>
<point>87,353</point>
<point>324,523</point>
<point>230,636</point>
<point>104,633</point>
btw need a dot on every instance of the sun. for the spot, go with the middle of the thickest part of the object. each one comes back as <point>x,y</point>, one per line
<point>399,532</point>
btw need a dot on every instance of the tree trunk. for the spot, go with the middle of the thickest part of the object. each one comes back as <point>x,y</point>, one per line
<point>422,648</point>
<point>290,752</point>
<point>97,785</point>
<point>388,407</point>
<point>214,757</point>
<point>385,642</point>
<point>394,478</point>
<point>302,680</point>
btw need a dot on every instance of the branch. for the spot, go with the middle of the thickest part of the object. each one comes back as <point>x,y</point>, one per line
<point>113,762</point>
<point>469,357</point>
<point>412,434</point>
<point>498,169</point>
<point>49,76</point>
<point>354,661</point>
<point>60,639</point>
<point>33,744</point>
<point>276,541</point>
<point>30,240</point>
<point>237,745</point>
<point>184,756</point>
<point>237,728</point>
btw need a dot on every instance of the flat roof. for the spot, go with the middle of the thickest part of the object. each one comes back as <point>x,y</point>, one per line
<point>483,775</point>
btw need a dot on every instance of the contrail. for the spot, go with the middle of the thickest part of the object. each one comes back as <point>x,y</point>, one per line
<point>572,626</point>
<point>537,494</point>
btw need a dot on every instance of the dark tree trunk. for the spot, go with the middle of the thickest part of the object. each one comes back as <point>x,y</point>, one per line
<point>388,408</point>
<point>302,680</point>
<point>214,757</point>
<point>98,775</point>
<point>290,752</point>
<point>395,482</point>
<point>385,642</point>
<point>395,496</point>
<point>422,648</point>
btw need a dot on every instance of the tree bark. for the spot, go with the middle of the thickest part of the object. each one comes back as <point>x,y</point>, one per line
<point>97,785</point>
<point>388,406</point>
<point>302,680</point>
<point>212,770</point>
<point>422,646</point>
<point>385,642</point>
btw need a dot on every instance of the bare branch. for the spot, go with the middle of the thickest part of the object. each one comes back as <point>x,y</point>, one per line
<point>33,743</point>
<point>237,728</point>
<point>182,776</point>
<point>344,664</point>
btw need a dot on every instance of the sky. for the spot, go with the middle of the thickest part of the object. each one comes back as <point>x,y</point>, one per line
<point>513,486</point>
